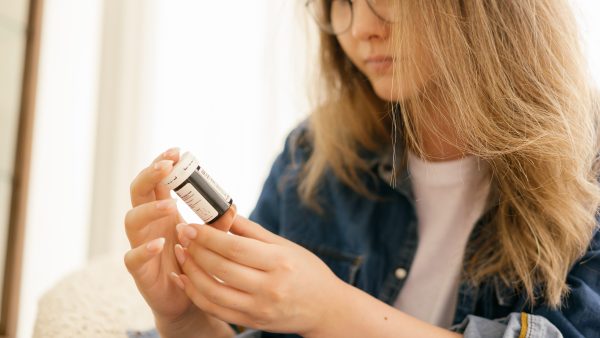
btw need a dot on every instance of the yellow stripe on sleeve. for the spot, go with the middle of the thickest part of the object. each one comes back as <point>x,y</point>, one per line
<point>524,327</point>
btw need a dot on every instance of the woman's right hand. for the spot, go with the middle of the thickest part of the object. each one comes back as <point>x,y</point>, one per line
<point>151,229</point>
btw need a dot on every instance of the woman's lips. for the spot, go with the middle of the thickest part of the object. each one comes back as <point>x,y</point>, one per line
<point>379,64</point>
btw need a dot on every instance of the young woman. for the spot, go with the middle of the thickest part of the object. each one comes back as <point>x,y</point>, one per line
<point>445,185</point>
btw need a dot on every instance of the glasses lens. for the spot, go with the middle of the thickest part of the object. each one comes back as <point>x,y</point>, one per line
<point>333,16</point>
<point>388,10</point>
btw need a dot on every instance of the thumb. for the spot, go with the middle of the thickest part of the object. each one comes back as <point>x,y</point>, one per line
<point>224,222</point>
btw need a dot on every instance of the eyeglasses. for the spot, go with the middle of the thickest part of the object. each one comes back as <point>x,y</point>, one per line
<point>335,16</point>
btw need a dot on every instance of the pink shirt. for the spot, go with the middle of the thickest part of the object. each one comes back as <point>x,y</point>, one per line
<point>450,197</point>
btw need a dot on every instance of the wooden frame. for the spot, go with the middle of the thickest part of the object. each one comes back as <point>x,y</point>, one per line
<point>16,225</point>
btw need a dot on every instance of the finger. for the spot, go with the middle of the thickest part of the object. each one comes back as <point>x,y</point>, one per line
<point>161,190</point>
<point>246,228</point>
<point>245,251</point>
<point>136,260</point>
<point>143,185</point>
<point>235,275</point>
<point>171,154</point>
<point>224,222</point>
<point>139,217</point>
<point>201,301</point>
<point>213,290</point>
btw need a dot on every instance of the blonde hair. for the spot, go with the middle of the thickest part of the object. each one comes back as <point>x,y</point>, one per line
<point>512,77</point>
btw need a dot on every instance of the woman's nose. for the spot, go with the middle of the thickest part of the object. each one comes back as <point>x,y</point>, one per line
<point>366,25</point>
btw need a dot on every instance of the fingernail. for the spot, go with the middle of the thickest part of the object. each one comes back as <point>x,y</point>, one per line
<point>185,242</point>
<point>177,280</point>
<point>189,232</point>
<point>165,204</point>
<point>170,152</point>
<point>180,234</point>
<point>179,227</point>
<point>162,165</point>
<point>179,254</point>
<point>155,245</point>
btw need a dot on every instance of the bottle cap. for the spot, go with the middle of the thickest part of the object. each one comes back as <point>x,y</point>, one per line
<point>181,171</point>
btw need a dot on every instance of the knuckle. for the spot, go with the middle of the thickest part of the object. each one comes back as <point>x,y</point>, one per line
<point>132,186</point>
<point>128,218</point>
<point>202,302</point>
<point>213,296</point>
<point>221,271</point>
<point>287,266</point>
<point>275,293</point>
<point>203,233</point>
<point>128,261</point>
<point>263,317</point>
<point>236,249</point>
<point>190,270</point>
<point>195,251</point>
<point>283,263</point>
<point>209,307</point>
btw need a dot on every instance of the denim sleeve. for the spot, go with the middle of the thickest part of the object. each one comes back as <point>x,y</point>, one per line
<point>515,325</point>
<point>267,209</point>
<point>250,334</point>
<point>578,316</point>
<point>143,334</point>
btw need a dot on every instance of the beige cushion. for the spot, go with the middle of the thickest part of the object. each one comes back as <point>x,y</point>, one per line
<point>99,300</point>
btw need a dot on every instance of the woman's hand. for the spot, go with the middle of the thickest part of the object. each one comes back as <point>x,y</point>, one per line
<point>269,283</point>
<point>150,228</point>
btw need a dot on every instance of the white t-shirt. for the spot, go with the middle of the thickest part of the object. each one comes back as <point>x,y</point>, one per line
<point>450,197</point>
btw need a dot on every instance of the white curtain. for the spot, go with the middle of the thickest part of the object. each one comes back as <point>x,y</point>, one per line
<point>587,12</point>
<point>227,86</point>
<point>225,80</point>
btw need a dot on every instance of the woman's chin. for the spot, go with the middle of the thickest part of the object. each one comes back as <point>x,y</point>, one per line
<point>387,92</point>
<point>397,91</point>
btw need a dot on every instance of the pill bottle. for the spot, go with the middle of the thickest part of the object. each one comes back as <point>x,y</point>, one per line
<point>197,189</point>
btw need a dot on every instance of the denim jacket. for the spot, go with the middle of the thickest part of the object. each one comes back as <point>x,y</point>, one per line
<point>367,241</point>
<point>370,244</point>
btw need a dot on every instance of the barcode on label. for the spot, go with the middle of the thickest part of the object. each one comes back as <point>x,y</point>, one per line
<point>214,184</point>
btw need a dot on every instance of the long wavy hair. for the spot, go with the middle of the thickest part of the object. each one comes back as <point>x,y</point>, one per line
<point>513,80</point>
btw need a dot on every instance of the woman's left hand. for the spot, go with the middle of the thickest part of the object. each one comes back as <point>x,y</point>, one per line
<point>269,282</point>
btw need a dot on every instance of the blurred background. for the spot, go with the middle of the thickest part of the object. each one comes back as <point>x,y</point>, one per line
<point>92,90</point>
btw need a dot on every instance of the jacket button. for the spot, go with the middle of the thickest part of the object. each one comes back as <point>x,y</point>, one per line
<point>400,273</point>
